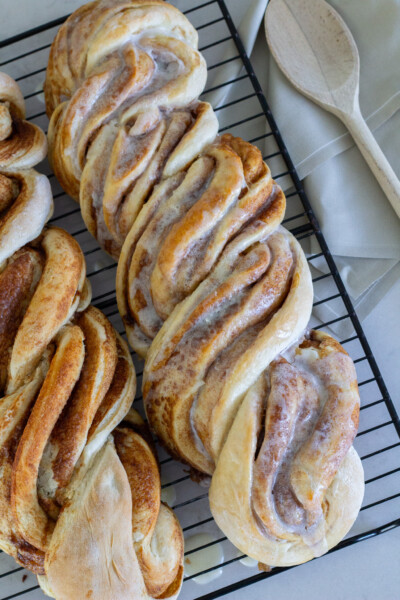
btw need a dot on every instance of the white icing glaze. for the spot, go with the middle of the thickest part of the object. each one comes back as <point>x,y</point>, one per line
<point>249,562</point>
<point>318,378</point>
<point>39,88</point>
<point>203,559</point>
<point>168,495</point>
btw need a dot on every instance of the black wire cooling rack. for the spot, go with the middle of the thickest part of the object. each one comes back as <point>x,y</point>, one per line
<point>213,567</point>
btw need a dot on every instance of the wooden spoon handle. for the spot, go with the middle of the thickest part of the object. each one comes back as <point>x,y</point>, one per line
<point>375,158</point>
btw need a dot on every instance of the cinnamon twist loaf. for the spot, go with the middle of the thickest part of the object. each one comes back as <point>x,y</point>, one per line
<point>79,493</point>
<point>212,289</point>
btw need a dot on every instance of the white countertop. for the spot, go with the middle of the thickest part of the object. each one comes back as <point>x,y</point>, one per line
<point>370,570</point>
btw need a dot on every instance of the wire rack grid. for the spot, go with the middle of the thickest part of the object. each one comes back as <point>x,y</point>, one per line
<point>213,566</point>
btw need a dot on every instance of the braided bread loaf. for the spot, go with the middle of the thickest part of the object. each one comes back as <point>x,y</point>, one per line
<point>212,289</point>
<point>79,493</point>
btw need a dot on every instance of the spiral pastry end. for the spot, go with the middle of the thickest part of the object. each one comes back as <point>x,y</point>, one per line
<point>288,484</point>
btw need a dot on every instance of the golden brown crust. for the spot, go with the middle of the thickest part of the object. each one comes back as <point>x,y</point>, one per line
<point>78,383</point>
<point>26,204</point>
<point>63,373</point>
<point>54,302</point>
<point>14,412</point>
<point>55,431</point>
<point>69,436</point>
<point>17,284</point>
<point>118,399</point>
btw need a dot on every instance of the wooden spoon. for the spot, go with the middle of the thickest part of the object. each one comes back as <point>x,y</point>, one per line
<point>316,51</point>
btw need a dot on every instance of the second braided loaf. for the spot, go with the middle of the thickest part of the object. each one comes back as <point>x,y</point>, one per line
<point>80,492</point>
<point>213,291</point>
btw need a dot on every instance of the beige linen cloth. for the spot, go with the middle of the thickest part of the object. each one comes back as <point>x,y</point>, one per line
<point>361,228</point>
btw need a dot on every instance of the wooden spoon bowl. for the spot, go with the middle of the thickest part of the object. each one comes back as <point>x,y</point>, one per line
<point>316,51</point>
